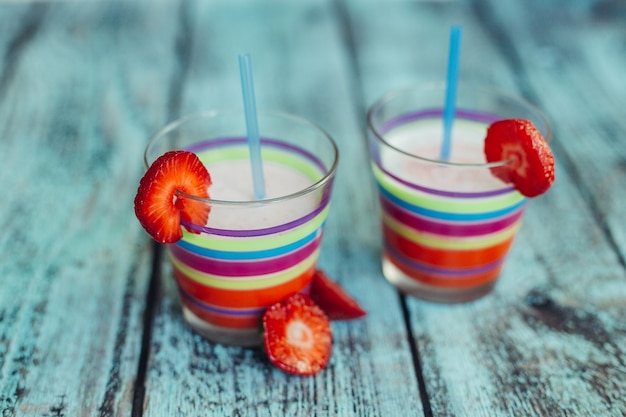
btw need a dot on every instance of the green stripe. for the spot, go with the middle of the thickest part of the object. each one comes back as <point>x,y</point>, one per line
<point>446,204</point>
<point>230,153</point>
<point>246,244</point>
<point>457,243</point>
<point>248,283</point>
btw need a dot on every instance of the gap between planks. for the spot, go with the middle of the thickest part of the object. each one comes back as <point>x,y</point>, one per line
<point>152,296</point>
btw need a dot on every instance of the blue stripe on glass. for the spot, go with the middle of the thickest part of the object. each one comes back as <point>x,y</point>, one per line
<point>252,255</point>
<point>442,215</point>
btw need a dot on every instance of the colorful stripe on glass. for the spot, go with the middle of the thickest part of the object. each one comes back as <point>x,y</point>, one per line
<point>446,239</point>
<point>227,277</point>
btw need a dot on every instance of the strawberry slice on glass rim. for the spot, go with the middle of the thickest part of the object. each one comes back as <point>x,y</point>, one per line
<point>530,166</point>
<point>161,204</point>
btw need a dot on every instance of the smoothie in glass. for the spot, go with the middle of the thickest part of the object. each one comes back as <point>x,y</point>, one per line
<point>250,253</point>
<point>447,225</point>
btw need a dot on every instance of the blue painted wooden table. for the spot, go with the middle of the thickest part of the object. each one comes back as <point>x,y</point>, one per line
<point>90,322</point>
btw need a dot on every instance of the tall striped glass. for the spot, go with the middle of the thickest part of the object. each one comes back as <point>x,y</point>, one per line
<point>250,253</point>
<point>447,225</point>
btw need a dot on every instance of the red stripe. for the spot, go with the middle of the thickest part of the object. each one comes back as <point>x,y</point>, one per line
<point>461,229</point>
<point>216,319</point>
<point>469,258</point>
<point>254,298</point>
<point>444,281</point>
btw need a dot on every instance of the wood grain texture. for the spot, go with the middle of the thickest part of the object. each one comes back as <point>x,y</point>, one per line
<point>74,265</point>
<point>549,340</point>
<point>89,326</point>
<point>299,67</point>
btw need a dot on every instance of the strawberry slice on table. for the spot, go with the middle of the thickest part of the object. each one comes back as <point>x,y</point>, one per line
<point>531,169</point>
<point>297,335</point>
<point>160,207</point>
<point>333,299</point>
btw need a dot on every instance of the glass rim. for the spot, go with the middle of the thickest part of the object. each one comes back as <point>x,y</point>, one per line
<point>390,95</point>
<point>209,114</point>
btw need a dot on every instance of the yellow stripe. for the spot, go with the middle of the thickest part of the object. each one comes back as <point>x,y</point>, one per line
<point>247,244</point>
<point>443,203</point>
<point>238,152</point>
<point>247,283</point>
<point>457,243</point>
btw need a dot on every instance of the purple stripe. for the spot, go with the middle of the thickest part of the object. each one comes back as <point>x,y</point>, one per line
<point>229,141</point>
<point>449,229</point>
<point>443,193</point>
<point>239,312</point>
<point>244,268</point>
<point>433,113</point>
<point>260,232</point>
<point>237,140</point>
<point>437,113</point>
<point>449,272</point>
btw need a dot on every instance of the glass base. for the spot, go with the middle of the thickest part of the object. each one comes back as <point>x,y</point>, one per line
<point>414,288</point>
<point>222,335</point>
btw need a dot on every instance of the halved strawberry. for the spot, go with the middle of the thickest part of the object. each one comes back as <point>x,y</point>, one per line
<point>158,204</point>
<point>333,299</point>
<point>297,335</point>
<point>531,169</point>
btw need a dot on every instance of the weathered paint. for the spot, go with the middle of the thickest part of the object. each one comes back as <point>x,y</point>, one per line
<point>85,330</point>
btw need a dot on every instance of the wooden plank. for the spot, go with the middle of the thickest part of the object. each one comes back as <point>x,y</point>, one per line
<point>299,67</point>
<point>75,111</point>
<point>582,85</point>
<point>549,340</point>
<point>83,85</point>
<point>402,43</point>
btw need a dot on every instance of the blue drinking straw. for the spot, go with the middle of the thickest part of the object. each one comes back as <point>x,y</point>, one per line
<point>451,86</point>
<point>252,125</point>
